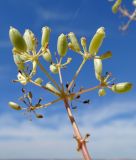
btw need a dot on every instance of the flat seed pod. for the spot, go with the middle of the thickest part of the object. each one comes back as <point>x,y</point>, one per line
<point>96,41</point>
<point>17,40</point>
<point>116,5</point>
<point>30,40</point>
<point>45,36</point>
<point>14,105</point>
<point>62,45</point>
<point>98,67</point>
<point>74,42</point>
<point>121,87</point>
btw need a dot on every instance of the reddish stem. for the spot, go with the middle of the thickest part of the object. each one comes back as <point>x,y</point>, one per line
<point>81,142</point>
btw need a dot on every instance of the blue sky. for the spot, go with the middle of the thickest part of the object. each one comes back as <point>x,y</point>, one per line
<point>111,120</point>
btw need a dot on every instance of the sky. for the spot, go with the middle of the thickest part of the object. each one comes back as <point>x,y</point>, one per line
<point>111,120</point>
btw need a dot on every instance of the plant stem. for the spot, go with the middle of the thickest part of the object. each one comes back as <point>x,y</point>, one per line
<point>47,74</point>
<point>87,90</point>
<point>81,142</point>
<point>60,75</point>
<point>76,74</point>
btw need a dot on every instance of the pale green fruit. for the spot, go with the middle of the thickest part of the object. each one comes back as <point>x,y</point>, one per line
<point>22,78</point>
<point>122,87</point>
<point>17,40</point>
<point>62,45</point>
<point>134,3</point>
<point>34,63</point>
<point>51,88</point>
<point>14,105</point>
<point>45,36</point>
<point>98,67</point>
<point>54,68</point>
<point>83,42</point>
<point>47,56</point>
<point>102,92</point>
<point>69,60</point>
<point>116,5</point>
<point>30,40</point>
<point>106,55</point>
<point>38,81</point>
<point>96,41</point>
<point>74,42</point>
<point>18,61</point>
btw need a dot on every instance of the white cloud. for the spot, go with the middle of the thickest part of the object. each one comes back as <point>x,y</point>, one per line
<point>116,139</point>
<point>52,14</point>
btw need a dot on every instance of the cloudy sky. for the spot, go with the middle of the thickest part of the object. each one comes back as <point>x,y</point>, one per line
<point>111,120</point>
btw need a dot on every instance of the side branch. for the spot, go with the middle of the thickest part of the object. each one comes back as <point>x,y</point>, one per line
<point>49,77</point>
<point>77,73</point>
<point>48,104</point>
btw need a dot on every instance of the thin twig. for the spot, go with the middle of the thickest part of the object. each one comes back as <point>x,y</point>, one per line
<point>87,90</point>
<point>60,75</point>
<point>48,104</point>
<point>48,75</point>
<point>76,74</point>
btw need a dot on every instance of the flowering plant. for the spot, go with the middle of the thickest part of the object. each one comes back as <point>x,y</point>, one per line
<point>25,52</point>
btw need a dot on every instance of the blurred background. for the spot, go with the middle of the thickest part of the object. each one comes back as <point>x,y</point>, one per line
<point>111,120</point>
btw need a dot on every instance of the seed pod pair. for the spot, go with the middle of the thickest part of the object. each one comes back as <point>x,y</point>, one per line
<point>47,55</point>
<point>54,68</point>
<point>116,6</point>
<point>18,61</point>
<point>30,40</point>
<point>45,36</point>
<point>17,40</point>
<point>51,88</point>
<point>121,87</point>
<point>97,41</point>
<point>62,45</point>
<point>74,44</point>
<point>98,67</point>
<point>14,105</point>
